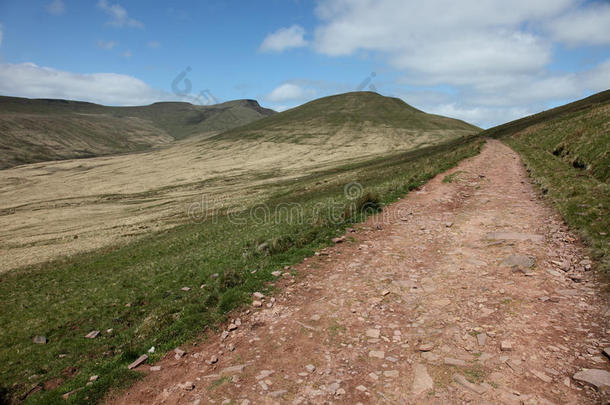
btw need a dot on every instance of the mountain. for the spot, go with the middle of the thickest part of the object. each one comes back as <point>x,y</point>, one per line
<point>353,117</point>
<point>36,130</point>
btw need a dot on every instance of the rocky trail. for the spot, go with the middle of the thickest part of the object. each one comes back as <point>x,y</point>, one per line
<point>469,291</point>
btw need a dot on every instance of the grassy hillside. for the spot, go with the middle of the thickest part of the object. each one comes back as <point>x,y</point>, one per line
<point>567,152</point>
<point>135,288</point>
<point>66,299</point>
<point>41,129</point>
<point>356,115</point>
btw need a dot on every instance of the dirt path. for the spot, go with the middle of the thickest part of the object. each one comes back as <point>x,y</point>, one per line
<point>422,306</point>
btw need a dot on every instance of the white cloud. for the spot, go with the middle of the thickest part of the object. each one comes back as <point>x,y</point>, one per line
<point>589,26</point>
<point>118,15</point>
<point>290,91</point>
<point>30,80</point>
<point>56,7</point>
<point>284,38</point>
<point>108,45</point>
<point>154,44</point>
<point>492,55</point>
<point>484,116</point>
<point>127,54</point>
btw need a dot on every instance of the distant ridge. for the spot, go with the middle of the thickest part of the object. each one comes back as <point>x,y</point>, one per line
<point>357,114</point>
<point>36,130</point>
<point>512,127</point>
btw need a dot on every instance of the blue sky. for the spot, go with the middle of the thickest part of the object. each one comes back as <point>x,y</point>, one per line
<point>483,61</point>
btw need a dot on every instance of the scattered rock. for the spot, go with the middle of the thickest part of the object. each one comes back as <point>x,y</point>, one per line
<point>70,393</point>
<point>40,340</point>
<point>361,388</point>
<point>264,374</point>
<point>481,338</point>
<point>310,367</point>
<point>422,381</point>
<point>454,362</point>
<point>238,369</point>
<point>521,261</point>
<point>140,360</point>
<point>448,224</point>
<point>186,288</point>
<point>600,379</point>
<point>179,353</point>
<point>276,273</point>
<point>429,356</point>
<point>232,327</point>
<point>187,386</point>
<point>385,292</point>
<point>372,333</point>
<point>93,378</point>
<point>339,240</point>
<point>542,376</point>
<point>506,346</point>
<point>213,359</point>
<point>390,373</point>
<point>425,347</point>
<point>257,304</point>
<point>262,247</point>
<point>377,353</point>
<point>93,334</point>
<point>258,295</point>
<point>515,365</point>
<point>278,393</point>
<point>155,368</point>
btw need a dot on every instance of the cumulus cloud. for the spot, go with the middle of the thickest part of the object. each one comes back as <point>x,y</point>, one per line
<point>118,15</point>
<point>588,26</point>
<point>30,80</point>
<point>290,92</point>
<point>284,38</point>
<point>108,45</point>
<point>495,54</point>
<point>56,7</point>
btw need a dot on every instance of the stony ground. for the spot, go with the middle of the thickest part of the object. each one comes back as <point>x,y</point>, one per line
<point>469,291</point>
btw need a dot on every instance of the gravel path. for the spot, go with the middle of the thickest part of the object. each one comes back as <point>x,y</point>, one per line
<point>471,291</point>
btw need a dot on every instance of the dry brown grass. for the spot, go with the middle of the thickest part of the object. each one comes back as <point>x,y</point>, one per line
<point>54,209</point>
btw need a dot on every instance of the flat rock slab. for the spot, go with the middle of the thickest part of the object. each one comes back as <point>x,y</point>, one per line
<point>514,236</point>
<point>522,261</point>
<point>600,379</point>
<point>233,370</point>
<point>422,381</point>
<point>140,360</point>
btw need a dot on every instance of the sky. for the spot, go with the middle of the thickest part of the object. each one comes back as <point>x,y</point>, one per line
<point>483,61</point>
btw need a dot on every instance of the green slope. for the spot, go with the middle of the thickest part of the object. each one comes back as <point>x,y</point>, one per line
<point>567,152</point>
<point>354,112</point>
<point>45,129</point>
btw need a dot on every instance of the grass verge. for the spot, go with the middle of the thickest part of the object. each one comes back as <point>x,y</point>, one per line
<point>136,290</point>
